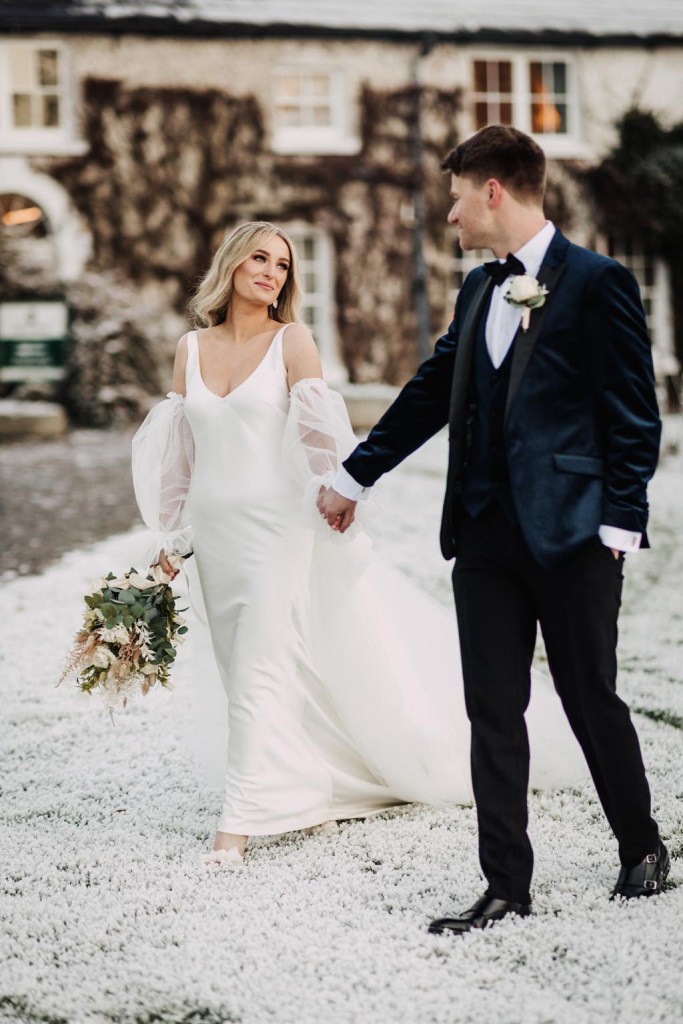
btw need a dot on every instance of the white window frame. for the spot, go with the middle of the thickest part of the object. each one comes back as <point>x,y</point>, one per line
<point>657,294</point>
<point>556,144</point>
<point>310,139</point>
<point>61,139</point>
<point>323,298</point>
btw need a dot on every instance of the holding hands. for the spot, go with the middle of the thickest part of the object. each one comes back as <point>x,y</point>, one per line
<point>337,510</point>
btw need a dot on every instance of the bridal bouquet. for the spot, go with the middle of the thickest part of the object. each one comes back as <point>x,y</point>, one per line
<point>129,637</point>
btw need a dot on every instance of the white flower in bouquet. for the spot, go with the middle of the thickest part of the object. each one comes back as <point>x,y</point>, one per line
<point>117,635</point>
<point>102,657</point>
<point>131,630</point>
<point>134,579</point>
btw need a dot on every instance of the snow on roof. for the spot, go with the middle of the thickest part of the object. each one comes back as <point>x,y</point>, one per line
<point>585,19</point>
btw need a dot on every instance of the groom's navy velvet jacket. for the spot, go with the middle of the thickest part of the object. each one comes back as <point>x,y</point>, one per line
<point>582,428</point>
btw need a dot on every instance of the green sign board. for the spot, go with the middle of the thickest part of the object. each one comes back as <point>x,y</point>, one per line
<point>33,339</point>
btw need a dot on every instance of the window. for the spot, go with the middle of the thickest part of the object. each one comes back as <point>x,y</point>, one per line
<point>35,87</point>
<point>492,96</point>
<point>548,98</point>
<point>461,265</point>
<point>315,267</point>
<point>536,96</point>
<point>305,100</point>
<point>35,101</point>
<point>20,217</point>
<point>310,112</point>
<point>651,273</point>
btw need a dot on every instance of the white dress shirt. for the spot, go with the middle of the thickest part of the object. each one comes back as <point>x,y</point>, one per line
<point>502,324</point>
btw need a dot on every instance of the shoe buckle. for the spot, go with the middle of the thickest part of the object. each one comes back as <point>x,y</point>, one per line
<point>651,858</point>
<point>650,885</point>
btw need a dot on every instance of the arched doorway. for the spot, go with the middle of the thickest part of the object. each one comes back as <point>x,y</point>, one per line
<point>36,208</point>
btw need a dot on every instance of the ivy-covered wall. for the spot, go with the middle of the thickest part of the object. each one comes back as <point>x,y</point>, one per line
<point>640,185</point>
<point>168,171</point>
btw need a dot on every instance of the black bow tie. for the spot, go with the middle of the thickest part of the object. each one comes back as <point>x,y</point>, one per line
<point>501,271</point>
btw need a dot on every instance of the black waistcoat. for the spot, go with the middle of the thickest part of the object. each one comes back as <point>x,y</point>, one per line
<point>486,476</point>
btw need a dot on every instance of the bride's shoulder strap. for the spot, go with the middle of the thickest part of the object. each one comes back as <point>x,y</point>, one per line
<point>192,357</point>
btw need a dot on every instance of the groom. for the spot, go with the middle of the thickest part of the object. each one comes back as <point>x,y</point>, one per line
<point>553,437</point>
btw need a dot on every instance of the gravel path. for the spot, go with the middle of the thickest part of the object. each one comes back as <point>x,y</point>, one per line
<point>61,494</point>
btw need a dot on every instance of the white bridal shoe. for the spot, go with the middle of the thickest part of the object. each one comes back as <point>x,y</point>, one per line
<point>231,858</point>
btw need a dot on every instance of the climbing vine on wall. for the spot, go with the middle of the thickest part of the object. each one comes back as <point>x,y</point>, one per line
<point>638,189</point>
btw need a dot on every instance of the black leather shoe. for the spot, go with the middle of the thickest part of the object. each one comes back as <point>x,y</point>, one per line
<point>487,910</point>
<point>646,878</point>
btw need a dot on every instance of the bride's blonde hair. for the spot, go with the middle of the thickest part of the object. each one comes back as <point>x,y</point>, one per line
<point>212,299</point>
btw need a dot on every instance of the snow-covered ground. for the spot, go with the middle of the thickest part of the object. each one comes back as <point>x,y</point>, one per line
<point>106,915</point>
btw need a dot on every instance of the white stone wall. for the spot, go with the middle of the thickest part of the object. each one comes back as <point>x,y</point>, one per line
<point>610,80</point>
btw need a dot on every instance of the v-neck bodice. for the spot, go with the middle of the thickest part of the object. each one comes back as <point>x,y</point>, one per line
<point>193,340</point>
<point>238,438</point>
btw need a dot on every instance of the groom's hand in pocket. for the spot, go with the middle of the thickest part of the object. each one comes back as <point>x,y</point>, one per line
<point>337,510</point>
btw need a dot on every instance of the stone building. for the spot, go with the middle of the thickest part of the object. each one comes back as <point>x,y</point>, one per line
<point>134,133</point>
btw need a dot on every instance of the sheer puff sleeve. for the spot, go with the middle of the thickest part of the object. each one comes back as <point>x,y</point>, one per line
<point>318,437</point>
<point>163,457</point>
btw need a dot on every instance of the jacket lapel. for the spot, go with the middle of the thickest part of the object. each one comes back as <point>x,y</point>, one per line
<point>551,270</point>
<point>462,371</point>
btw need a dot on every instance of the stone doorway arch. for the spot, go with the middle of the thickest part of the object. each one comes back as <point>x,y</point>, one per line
<point>69,239</point>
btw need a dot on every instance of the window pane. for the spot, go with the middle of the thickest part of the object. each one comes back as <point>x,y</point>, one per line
<point>289,116</point>
<point>50,111</point>
<point>506,113</point>
<point>321,115</point>
<point>19,216</point>
<point>319,85</point>
<point>481,114</point>
<point>648,277</point>
<point>480,84</point>
<point>288,86</point>
<point>546,118</point>
<point>560,118</point>
<point>536,85</point>
<point>560,78</point>
<point>22,64</point>
<point>505,76</point>
<point>21,110</point>
<point>309,248</point>
<point>47,67</point>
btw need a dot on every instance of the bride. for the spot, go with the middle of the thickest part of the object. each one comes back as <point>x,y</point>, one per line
<point>342,678</point>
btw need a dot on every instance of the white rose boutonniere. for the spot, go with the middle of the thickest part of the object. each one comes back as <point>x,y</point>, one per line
<point>526,294</point>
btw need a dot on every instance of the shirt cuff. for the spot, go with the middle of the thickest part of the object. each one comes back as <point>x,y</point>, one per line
<point>345,485</point>
<point>620,540</point>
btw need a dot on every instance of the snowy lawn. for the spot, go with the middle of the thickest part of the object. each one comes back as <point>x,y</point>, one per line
<point>108,917</point>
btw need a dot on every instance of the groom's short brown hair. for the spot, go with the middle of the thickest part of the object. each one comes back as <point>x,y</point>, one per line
<point>503,153</point>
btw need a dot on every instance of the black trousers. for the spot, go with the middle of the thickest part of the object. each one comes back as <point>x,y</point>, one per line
<point>501,595</point>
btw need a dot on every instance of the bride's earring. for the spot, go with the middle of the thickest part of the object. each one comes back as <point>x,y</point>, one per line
<point>274,303</point>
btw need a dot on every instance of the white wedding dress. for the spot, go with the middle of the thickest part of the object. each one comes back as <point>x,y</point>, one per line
<point>343,680</point>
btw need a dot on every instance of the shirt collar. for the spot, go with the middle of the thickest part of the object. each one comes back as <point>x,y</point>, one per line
<point>533,252</point>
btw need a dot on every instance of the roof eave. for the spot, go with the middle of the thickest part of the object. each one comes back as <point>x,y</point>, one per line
<point>22,22</point>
